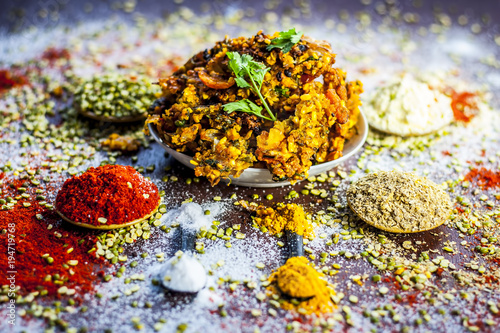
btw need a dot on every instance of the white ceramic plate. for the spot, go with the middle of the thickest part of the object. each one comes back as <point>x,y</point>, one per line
<point>258,177</point>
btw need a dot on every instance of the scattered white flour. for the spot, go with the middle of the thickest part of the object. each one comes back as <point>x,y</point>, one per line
<point>190,215</point>
<point>183,273</point>
<point>407,107</point>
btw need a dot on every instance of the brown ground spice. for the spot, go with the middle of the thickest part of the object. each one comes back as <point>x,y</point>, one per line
<point>399,201</point>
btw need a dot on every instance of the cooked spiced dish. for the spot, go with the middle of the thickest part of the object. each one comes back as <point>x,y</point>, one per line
<point>273,101</point>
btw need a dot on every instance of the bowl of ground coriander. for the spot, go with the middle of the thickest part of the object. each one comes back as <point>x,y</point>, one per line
<point>399,202</point>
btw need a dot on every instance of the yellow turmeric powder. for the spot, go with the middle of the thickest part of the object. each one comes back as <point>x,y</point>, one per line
<point>298,279</point>
<point>284,217</point>
<point>123,143</point>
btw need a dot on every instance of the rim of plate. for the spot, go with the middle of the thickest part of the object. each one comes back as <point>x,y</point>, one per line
<point>261,177</point>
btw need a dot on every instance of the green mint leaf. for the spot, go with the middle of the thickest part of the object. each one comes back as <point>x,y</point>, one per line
<point>285,41</point>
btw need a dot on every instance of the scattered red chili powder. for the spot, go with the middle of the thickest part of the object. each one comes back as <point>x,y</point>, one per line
<point>37,234</point>
<point>411,299</point>
<point>464,106</point>
<point>491,279</point>
<point>52,54</point>
<point>10,80</point>
<point>116,193</point>
<point>484,178</point>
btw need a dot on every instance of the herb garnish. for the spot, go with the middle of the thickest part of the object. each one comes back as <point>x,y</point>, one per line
<point>245,105</point>
<point>282,91</point>
<point>249,74</point>
<point>285,41</point>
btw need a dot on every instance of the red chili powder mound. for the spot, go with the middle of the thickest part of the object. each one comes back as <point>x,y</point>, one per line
<point>26,242</point>
<point>117,193</point>
<point>484,178</point>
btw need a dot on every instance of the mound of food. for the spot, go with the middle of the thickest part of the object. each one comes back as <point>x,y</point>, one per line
<point>273,101</point>
<point>408,107</point>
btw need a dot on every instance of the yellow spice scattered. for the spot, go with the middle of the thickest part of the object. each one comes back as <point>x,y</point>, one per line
<point>123,143</point>
<point>284,217</point>
<point>298,279</point>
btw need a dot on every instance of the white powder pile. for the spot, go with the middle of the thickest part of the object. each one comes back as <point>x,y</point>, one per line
<point>183,273</point>
<point>190,215</point>
<point>408,107</point>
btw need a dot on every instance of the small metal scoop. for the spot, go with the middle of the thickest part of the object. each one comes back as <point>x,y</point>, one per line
<point>295,244</point>
<point>295,249</point>
<point>183,273</point>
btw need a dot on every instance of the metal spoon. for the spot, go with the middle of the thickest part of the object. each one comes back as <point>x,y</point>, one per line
<point>295,244</point>
<point>183,273</point>
<point>295,249</point>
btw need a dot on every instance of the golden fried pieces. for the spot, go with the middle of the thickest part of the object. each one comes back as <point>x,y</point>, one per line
<point>314,118</point>
<point>289,146</point>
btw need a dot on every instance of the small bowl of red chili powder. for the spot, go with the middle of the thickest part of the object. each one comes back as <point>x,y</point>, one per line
<point>107,197</point>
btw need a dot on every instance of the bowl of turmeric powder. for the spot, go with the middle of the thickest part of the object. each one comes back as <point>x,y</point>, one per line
<point>263,111</point>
